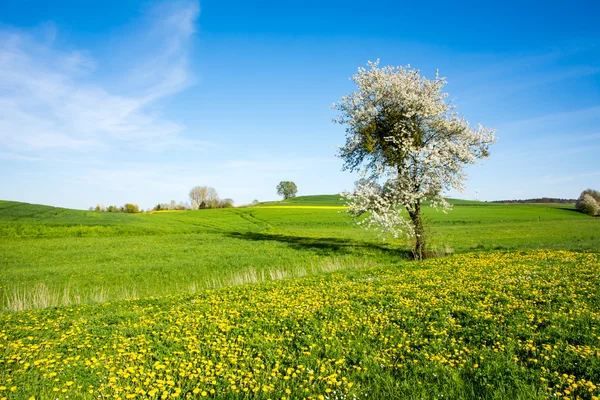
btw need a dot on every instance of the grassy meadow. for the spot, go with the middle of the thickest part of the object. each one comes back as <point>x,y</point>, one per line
<point>196,304</point>
<point>52,256</point>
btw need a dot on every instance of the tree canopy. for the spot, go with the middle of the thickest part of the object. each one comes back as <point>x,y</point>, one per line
<point>409,144</point>
<point>287,189</point>
<point>589,202</point>
<point>203,197</point>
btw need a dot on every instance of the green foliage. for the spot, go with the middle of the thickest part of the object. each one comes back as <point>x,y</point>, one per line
<point>131,208</point>
<point>287,189</point>
<point>226,203</point>
<point>127,208</point>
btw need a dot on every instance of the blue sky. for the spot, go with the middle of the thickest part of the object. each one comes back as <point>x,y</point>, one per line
<point>117,102</point>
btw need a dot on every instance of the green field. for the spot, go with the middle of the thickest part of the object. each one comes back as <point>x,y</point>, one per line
<point>195,303</point>
<point>320,200</point>
<point>54,256</point>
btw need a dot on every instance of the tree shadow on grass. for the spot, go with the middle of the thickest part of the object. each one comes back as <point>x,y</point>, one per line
<point>326,246</point>
<point>570,209</point>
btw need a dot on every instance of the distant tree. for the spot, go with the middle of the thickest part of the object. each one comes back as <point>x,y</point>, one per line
<point>589,202</point>
<point>131,208</point>
<point>254,202</point>
<point>409,143</point>
<point>543,200</point>
<point>287,189</point>
<point>213,203</point>
<point>173,205</point>
<point>197,196</point>
<point>226,203</point>
<point>203,197</point>
<point>112,209</point>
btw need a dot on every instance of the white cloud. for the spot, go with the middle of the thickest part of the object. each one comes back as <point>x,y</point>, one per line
<point>557,180</point>
<point>17,157</point>
<point>522,72</point>
<point>50,98</point>
<point>275,165</point>
<point>556,120</point>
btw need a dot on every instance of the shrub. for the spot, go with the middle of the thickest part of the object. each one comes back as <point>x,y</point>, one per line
<point>131,208</point>
<point>589,202</point>
<point>226,203</point>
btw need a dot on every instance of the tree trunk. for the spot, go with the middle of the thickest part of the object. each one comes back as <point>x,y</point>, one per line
<point>415,216</point>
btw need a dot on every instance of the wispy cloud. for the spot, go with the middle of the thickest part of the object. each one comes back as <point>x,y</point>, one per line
<point>52,98</point>
<point>557,180</point>
<point>563,132</point>
<point>17,157</point>
<point>559,119</point>
<point>516,73</point>
<point>277,165</point>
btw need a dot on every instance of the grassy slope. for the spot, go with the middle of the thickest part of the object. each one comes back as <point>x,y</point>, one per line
<point>336,200</point>
<point>479,324</point>
<point>319,200</point>
<point>82,256</point>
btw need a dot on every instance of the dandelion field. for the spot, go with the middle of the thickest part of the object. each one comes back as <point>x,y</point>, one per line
<point>478,325</point>
<point>198,305</point>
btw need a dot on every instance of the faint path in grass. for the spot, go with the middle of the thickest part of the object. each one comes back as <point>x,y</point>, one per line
<point>252,218</point>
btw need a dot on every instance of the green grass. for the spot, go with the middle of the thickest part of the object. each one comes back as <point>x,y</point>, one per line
<point>495,325</point>
<point>336,200</point>
<point>53,256</point>
<point>357,319</point>
<point>319,200</point>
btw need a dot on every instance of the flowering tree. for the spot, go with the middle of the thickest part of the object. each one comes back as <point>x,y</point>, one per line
<point>409,144</point>
<point>589,202</point>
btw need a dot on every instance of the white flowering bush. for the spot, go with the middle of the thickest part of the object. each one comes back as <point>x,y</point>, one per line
<point>410,145</point>
<point>589,202</point>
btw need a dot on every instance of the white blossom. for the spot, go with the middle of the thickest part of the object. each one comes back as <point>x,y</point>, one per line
<point>587,203</point>
<point>406,139</point>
